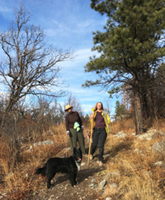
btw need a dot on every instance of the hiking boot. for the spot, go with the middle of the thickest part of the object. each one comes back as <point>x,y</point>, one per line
<point>100,163</point>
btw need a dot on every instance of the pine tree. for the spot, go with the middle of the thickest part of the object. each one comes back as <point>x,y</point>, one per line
<point>130,47</point>
<point>119,109</point>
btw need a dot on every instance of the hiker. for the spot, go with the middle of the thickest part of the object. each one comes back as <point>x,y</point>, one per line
<point>74,129</point>
<point>101,126</point>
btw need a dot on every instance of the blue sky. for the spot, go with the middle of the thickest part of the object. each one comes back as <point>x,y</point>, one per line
<point>68,24</point>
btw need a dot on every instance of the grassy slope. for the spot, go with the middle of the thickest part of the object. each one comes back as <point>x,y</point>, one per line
<point>132,158</point>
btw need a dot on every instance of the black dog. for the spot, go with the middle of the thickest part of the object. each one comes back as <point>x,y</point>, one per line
<point>68,165</point>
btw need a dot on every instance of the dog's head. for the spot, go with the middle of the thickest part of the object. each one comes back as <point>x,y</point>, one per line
<point>77,155</point>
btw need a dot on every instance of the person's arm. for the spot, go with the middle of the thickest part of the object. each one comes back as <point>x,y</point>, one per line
<point>108,118</point>
<point>67,124</point>
<point>92,114</point>
<point>109,122</point>
<point>92,118</point>
<point>80,121</point>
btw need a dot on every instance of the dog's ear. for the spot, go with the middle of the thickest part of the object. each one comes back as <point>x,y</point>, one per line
<point>80,152</point>
<point>79,149</point>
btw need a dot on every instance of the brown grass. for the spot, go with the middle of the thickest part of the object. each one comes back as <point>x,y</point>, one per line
<point>19,180</point>
<point>133,159</point>
<point>126,125</point>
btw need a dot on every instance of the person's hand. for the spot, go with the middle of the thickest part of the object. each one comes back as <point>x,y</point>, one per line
<point>92,116</point>
<point>67,132</point>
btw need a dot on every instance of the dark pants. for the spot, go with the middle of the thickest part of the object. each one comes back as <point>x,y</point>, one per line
<point>77,137</point>
<point>98,137</point>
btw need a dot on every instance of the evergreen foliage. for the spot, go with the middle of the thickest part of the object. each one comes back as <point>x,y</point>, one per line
<point>131,47</point>
<point>119,109</point>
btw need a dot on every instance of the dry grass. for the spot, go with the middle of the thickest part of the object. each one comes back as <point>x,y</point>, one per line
<point>132,159</point>
<point>126,125</point>
<point>19,180</point>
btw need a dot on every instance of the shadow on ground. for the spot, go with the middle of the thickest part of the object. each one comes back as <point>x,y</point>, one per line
<point>82,175</point>
<point>123,146</point>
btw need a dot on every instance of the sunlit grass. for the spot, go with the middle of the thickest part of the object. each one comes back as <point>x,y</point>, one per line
<point>19,178</point>
<point>132,160</point>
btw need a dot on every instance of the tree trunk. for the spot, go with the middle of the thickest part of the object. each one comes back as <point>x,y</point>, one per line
<point>11,102</point>
<point>138,112</point>
<point>144,105</point>
<point>9,106</point>
<point>150,105</point>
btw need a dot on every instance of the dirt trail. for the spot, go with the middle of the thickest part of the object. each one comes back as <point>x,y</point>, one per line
<point>62,188</point>
<point>86,189</point>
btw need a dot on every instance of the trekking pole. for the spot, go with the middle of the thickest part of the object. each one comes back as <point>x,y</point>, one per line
<point>90,141</point>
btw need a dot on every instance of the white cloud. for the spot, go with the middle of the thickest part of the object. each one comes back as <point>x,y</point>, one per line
<point>58,29</point>
<point>4,9</point>
<point>85,54</point>
<point>91,23</point>
<point>87,108</point>
<point>86,23</point>
<point>74,27</point>
<point>81,57</point>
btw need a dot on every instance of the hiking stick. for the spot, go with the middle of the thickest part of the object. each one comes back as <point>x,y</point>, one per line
<point>90,141</point>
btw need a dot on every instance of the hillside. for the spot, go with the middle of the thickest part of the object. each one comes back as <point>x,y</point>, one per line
<point>134,167</point>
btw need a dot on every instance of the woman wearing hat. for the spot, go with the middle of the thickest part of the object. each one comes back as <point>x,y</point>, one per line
<point>73,124</point>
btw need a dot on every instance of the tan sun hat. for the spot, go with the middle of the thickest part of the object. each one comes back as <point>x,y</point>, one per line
<point>67,107</point>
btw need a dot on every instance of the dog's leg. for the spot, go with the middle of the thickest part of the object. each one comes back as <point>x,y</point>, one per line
<point>75,176</point>
<point>71,178</point>
<point>50,176</point>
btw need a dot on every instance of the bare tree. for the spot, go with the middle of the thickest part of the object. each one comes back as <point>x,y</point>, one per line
<point>29,66</point>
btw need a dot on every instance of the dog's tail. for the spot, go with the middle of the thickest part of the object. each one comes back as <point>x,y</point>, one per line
<point>41,171</point>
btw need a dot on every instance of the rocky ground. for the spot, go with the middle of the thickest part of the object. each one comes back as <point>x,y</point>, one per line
<point>93,181</point>
<point>88,186</point>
